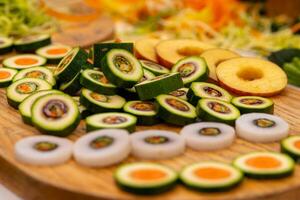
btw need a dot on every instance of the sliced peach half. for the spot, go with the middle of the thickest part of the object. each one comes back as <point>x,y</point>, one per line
<point>145,49</point>
<point>251,76</point>
<point>213,57</point>
<point>168,52</point>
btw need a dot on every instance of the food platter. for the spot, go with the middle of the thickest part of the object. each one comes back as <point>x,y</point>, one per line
<point>71,181</point>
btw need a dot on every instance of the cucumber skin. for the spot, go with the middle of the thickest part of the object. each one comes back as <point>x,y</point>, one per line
<point>99,50</point>
<point>90,128</point>
<point>31,47</point>
<point>73,68</point>
<point>113,78</point>
<point>145,120</point>
<point>6,50</point>
<point>295,157</point>
<point>269,109</point>
<point>146,191</point>
<point>5,83</point>
<point>171,118</point>
<point>60,133</point>
<point>192,98</point>
<point>53,60</point>
<point>74,87</point>
<point>149,91</point>
<point>97,87</point>
<point>27,120</point>
<point>12,103</point>
<point>268,176</point>
<point>129,96</point>
<point>94,108</point>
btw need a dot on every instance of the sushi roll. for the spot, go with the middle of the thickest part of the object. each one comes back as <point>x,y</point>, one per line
<point>71,87</point>
<point>180,93</point>
<point>6,76</point>
<point>102,148</point>
<point>23,61</point>
<point>31,43</point>
<point>211,176</point>
<point>43,150</point>
<point>54,52</point>
<point>250,104</point>
<point>291,146</point>
<point>206,136</point>
<point>145,178</point>
<point>265,165</point>
<point>157,144</point>
<point>6,45</point>
<point>154,67</point>
<point>261,127</point>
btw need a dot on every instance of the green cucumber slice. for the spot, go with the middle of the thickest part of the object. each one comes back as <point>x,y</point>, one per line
<point>22,88</point>
<point>55,114</point>
<point>191,69</point>
<point>200,90</point>
<point>84,112</point>
<point>162,84</point>
<point>96,81</point>
<point>145,111</point>
<point>211,176</point>
<point>265,165</point>
<point>249,104</point>
<point>6,76</point>
<point>25,106</point>
<point>54,52</point>
<point>111,120</point>
<point>6,45</point>
<point>23,61</point>
<point>136,184</point>
<point>98,103</point>
<point>72,87</point>
<point>153,67</point>
<point>180,93</point>
<point>70,65</point>
<point>174,110</point>
<point>32,42</point>
<point>213,110</point>
<point>36,72</point>
<point>291,146</point>
<point>101,49</point>
<point>121,68</point>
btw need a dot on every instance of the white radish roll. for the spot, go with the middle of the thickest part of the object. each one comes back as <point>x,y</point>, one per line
<point>157,144</point>
<point>43,150</point>
<point>208,136</point>
<point>260,127</point>
<point>102,148</point>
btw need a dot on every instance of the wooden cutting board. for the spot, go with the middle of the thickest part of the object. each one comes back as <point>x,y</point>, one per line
<point>71,181</point>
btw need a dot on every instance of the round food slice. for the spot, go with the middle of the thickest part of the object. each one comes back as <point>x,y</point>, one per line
<point>174,110</point>
<point>145,49</point>
<point>180,93</point>
<point>162,84</point>
<point>291,146</point>
<point>145,111</point>
<point>191,69</point>
<point>261,127</point>
<point>121,68</point>
<point>72,87</point>
<point>169,52</point>
<point>155,68</point>
<point>96,81</point>
<point>111,120</point>
<point>251,76</point>
<point>211,176</point>
<point>31,43</point>
<point>84,112</point>
<point>264,165</point>
<point>70,65</point>
<point>55,114</point>
<point>205,136</point>
<point>36,72</point>
<point>102,148</point>
<point>25,106</point>
<point>250,104</point>
<point>213,110</point>
<point>43,150</point>
<point>200,90</point>
<point>6,45</point>
<point>23,61</point>
<point>145,178</point>
<point>22,88</point>
<point>54,52</point>
<point>157,144</point>
<point>213,57</point>
<point>6,76</point>
<point>98,103</point>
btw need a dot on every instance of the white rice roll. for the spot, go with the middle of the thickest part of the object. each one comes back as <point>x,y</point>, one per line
<point>43,150</point>
<point>102,148</point>
<point>261,127</point>
<point>157,144</point>
<point>208,136</point>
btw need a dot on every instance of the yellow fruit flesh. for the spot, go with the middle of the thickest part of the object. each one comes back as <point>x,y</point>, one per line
<point>145,49</point>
